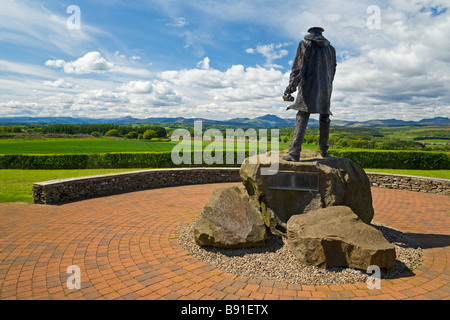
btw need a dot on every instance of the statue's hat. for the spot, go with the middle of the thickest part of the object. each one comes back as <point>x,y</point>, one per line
<point>316,29</point>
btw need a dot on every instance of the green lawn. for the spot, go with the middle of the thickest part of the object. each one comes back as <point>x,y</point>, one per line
<point>16,185</point>
<point>441,174</point>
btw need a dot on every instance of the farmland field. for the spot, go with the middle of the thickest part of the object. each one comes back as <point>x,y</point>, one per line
<point>16,185</point>
<point>87,146</point>
<point>73,146</point>
<point>417,133</point>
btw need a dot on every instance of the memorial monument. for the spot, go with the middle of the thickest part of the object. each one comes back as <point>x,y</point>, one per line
<point>312,74</point>
<point>321,204</point>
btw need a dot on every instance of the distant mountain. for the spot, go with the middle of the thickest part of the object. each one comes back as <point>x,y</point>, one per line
<point>387,122</point>
<point>436,121</point>
<point>267,120</point>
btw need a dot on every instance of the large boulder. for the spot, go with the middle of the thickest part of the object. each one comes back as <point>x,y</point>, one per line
<point>339,181</point>
<point>230,220</point>
<point>336,237</point>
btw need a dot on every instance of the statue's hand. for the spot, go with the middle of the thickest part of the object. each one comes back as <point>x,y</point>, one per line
<point>289,90</point>
<point>288,97</point>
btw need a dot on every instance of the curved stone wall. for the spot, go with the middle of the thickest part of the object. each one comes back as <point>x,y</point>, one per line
<point>412,183</point>
<point>75,189</point>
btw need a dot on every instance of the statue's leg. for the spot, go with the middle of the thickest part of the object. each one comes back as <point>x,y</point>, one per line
<point>297,140</point>
<point>324,130</point>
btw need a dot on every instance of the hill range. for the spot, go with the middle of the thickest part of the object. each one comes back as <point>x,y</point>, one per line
<point>267,120</point>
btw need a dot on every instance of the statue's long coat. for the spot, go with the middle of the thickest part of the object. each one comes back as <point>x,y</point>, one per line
<point>313,73</point>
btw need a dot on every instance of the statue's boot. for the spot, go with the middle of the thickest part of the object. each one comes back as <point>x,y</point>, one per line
<point>295,147</point>
<point>291,158</point>
<point>324,131</point>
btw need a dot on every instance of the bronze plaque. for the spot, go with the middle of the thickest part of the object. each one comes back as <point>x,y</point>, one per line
<point>294,180</point>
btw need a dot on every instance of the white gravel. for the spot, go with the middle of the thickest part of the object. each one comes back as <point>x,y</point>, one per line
<point>276,262</point>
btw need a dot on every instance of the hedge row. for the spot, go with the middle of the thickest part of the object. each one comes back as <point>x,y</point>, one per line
<point>96,161</point>
<point>422,160</point>
<point>366,159</point>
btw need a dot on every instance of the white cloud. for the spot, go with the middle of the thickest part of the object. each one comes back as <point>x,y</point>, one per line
<point>89,63</point>
<point>94,62</point>
<point>102,96</point>
<point>60,83</point>
<point>211,93</point>
<point>138,87</point>
<point>399,71</point>
<point>178,22</point>
<point>118,54</point>
<point>402,70</point>
<point>236,90</point>
<point>204,64</point>
<point>271,52</point>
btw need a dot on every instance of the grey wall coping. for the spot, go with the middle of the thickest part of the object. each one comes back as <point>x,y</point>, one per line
<point>128,173</point>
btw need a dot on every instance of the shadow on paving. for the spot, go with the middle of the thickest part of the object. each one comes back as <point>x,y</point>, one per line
<point>431,240</point>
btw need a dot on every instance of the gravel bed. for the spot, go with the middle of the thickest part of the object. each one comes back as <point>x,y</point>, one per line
<point>276,262</point>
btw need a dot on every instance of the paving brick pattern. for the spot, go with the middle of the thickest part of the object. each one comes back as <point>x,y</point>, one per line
<point>126,247</point>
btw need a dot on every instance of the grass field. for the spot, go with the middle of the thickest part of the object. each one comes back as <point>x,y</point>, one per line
<point>71,146</point>
<point>16,185</point>
<point>88,146</point>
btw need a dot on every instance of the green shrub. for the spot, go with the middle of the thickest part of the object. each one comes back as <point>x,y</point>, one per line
<point>366,159</point>
<point>131,135</point>
<point>161,132</point>
<point>95,134</point>
<point>113,133</point>
<point>98,161</point>
<point>397,159</point>
<point>57,161</point>
<point>149,134</point>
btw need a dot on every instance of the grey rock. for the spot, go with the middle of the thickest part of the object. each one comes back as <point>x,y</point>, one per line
<point>230,220</point>
<point>341,182</point>
<point>336,237</point>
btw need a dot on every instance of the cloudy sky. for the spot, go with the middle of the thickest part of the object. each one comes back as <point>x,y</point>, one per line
<point>219,59</point>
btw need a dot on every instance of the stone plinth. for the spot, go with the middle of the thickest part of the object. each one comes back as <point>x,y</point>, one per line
<point>321,182</point>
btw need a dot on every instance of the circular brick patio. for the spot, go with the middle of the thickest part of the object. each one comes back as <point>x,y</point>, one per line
<point>126,247</point>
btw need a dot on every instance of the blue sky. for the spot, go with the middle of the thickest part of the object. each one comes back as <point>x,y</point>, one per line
<point>219,59</point>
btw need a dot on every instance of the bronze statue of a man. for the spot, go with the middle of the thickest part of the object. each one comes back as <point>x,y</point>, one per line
<point>312,73</point>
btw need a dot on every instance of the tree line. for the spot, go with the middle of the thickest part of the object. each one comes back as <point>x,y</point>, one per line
<point>97,130</point>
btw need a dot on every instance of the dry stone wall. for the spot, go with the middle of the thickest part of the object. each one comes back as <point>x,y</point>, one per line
<point>74,189</point>
<point>411,183</point>
<point>68,190</point>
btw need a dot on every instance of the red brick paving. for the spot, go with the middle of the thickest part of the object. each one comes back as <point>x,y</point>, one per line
<point>127,248</point>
